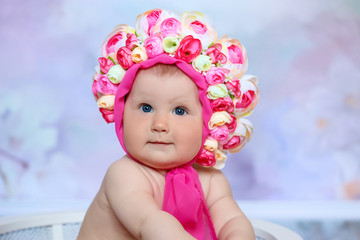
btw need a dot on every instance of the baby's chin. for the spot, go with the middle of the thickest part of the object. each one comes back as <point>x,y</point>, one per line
<point>164,163</point>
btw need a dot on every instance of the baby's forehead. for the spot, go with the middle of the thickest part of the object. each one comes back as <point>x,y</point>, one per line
<point>157,82</point>
<point>161,70</point>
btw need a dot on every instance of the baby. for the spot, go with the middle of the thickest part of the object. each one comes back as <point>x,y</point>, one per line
<point>176,113</point>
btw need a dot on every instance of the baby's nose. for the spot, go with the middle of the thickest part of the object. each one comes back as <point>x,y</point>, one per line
<point>160,123</point>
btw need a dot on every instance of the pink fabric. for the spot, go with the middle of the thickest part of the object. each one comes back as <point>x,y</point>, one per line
<point>183,197</point>
<point>185,200</point>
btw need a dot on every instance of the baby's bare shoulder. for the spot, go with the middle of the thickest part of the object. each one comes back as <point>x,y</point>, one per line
<point>206,174</point>
<point>125,174</point>
<point>213,182</point>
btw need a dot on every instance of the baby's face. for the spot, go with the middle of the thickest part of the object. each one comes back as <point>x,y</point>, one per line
<point>163,120</point>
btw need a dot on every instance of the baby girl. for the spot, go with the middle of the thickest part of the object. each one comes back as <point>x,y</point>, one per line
<point>178,98</point>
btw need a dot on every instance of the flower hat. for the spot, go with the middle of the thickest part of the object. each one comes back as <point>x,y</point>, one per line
<point>191,39</point>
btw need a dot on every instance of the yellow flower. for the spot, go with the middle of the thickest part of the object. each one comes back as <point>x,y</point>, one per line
<point>219,119</point>
<point>139,54</point>
<point>106,101</point>
<point>217,91</point>
<point>220,156</point>
<point>211,144</point>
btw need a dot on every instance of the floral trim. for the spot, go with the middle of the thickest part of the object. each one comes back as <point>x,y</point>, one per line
<point>191,38</point>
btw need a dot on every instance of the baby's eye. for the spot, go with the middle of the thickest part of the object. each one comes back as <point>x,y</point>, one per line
<point>180,111</point>
<point>146,108</point>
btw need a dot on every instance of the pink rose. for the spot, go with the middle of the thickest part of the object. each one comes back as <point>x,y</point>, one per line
<point>206,158</point>
<point>214,52</point>
<point>234,87</point>
<point>199,27</point>
<point>152,18</point>
<point>111,44</point>
<point>232,125</point>
<point>131,40</point>
<point>234,142</point>
<point>94,90</point>
<point>170,27</point>
<point>105,86</point>
<point>108,115</point>
<point>220,133</point>
<point>215,76</point>
<point>124,57</point>
<point>246,99</point>
<point>105,64</point>
<point>188,49</point>
<point>223,104</point>
<point>153,45</point>
<point>236,54</point>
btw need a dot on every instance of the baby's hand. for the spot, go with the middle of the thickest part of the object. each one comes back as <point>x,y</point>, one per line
<point>229,221</point>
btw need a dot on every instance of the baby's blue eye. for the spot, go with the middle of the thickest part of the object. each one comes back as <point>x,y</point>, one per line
<point>146,108</point>
<point>179,111</point>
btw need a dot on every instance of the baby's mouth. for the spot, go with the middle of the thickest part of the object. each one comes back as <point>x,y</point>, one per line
<point>160,143</point>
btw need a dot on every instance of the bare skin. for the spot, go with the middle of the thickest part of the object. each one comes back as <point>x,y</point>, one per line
<point>133,211</point>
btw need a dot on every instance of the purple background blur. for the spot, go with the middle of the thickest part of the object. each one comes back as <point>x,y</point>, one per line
<point>306,142</point>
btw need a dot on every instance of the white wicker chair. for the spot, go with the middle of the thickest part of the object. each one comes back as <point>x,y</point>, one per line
<point>65,226</point>
<point>50,226</point>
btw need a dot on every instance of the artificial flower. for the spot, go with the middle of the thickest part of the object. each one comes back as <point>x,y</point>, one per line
<point>220,133</point>
<point>234,87</point>
<point>214,52</point>
<point>223,104</point>
<point>215,76</point>
<point>108,115</point>
<point>131,40</point>
<point>233,143</point>
<point>116,74</point>
<point>220,156</point>
<point>105,86</point>
<point>245,103</point>
<point>153,45</point>
<point>198,27</point>
<point>105,64</point>
<point>206,158</point>
<point>235,54</point>
<point>217,91</point>
<point>170,44</point>
<point>106,101</point>
<point>246,99</point>
<point>188,49</point>
<point>232,125</point>
<point>145,22</point>
<point>124,57</point>
<point>170,27</point>
<point>115,39</point>
<point>218,119</point>
<point>202,63</point>
<point>211,144</point>
<point>139,54</point>
<point>233,49</point>
<point>94,90</point>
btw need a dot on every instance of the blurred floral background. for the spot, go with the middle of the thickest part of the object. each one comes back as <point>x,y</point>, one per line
<point>306,143</point>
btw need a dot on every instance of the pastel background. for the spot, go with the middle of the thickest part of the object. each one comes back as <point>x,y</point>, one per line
<point>306,143</point>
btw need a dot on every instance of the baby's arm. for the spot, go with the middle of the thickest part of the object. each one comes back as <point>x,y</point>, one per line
<point>130,195</point>
<point>229,221</point>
